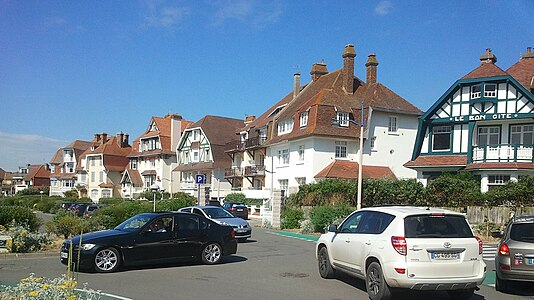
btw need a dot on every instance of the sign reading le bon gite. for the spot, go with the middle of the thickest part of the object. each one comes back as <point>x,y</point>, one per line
<point>487,117</point>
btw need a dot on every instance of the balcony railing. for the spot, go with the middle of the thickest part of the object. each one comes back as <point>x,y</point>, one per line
<point>503,153</point>
<point>255,170</point>
<point>233,172</point>
<point>255,141</point>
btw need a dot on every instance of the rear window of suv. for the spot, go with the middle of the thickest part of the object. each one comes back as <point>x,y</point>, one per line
<point>436,226</point>
<point>522,232</point>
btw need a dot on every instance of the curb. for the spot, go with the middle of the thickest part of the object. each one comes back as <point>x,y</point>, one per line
<point>28,255</point>
<point>305,237</point>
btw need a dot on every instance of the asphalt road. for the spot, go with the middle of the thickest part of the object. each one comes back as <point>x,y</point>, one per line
<point>268,267</point>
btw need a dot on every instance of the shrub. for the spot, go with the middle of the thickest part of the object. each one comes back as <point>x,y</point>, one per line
<point>322,216</point>
<point>175,204</point>
<point>454,190</point>
<point>33,191</point>
<point>24,241</point>
<point>66,225</point>
<point>111,216</point>
<point>235,197</point>
<point>378,192</point>
<point>327,191</point>
<point>71,194</point>
<point>291,217</point>
<point>110,201</point>
<point>20,215</point>
<point>48,205</point>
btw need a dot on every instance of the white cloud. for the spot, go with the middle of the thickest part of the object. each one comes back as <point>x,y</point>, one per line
<point>21,149</point>
<point>383,8</point>
<point>159,15</point>
<point>257,13</point>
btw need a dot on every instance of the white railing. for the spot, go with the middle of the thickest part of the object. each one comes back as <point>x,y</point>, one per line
<point>503,153</point>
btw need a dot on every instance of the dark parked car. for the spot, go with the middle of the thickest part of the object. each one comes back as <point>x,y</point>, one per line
<point>514,260</point>
<point>151,238</point>
<point>66,205</point>
<point>79,209</point>
<point>237,209</point>
<point>242,228</point>
<point>90,210</point>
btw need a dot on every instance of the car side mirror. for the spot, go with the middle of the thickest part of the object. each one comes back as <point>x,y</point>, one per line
<point>332,228</point>
<point>496,234</point>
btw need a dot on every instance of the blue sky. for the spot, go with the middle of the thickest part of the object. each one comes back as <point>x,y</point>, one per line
<point>69,69</point>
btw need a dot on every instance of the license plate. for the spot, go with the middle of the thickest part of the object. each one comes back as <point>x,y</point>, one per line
<point>64,255</point>
<point>241,230</point>
<point>239,209</point>
<point>530,261</point>
<point>445,256</point>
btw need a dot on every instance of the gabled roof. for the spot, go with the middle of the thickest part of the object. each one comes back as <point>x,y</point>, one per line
<point>114,155</point>
<point>219,130</point>
<point>134,176</point>
<point>77,146</point>
<point>523,70</point>
<point>437,161</point>
<point>485,70</point>
<point>37,171</point>
<point>344,169</point>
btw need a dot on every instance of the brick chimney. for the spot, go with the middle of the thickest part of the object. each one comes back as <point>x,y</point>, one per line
<point>528,54</point>
<point>249,119</point>
<point>371,68</point>
<point>318,70</point>
<point>488,57</point>
<point>126,139</point>
<point>296,84</point>
<point>104,137</point>
<point>97,137</point>
<point>348,68</point>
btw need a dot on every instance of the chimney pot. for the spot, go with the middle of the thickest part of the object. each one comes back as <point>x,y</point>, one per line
<point>488,57</point>
<point>296,84</point>
<point>528,54</point>
<point>318,70</point>
<point>249,119</point>
<point>348,68</point>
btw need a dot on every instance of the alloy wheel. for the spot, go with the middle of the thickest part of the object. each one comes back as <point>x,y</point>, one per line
<point>106,260</point>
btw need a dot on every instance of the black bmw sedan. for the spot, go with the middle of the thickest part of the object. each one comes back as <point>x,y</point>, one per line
<point>151,238</point>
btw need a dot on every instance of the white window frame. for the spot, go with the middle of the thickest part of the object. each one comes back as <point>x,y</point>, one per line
<point>393,124</point>
<point>343,119</point>
<point>490,94</point>
<point>301,152</point>
<point>521,130</point>
<point>438,130</point>
<point>285,126</point>
<point>283,157</point>
<point>341,149</point>
<point>303,119</point>
<point>300,180</point>
<point>93,176</point>
<point>101,176</point>
<point>496,180</point>
<point>284,185</point>
<point>373,143</point>
<point>475,94</point>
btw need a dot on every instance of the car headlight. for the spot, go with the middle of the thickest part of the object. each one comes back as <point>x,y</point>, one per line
<point>88,247</point>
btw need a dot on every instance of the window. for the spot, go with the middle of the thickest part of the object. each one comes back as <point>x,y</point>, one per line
<point>441,139</point>
<point>101,176</point>
<point>351,224</point>
<point>522,134</point>
<point>67,183</point>
<point>195,156</point>
<point>94,194</point>
<point>497,180</point>
<point>207,154</point>
<point>196,135</point>
<point>475,91</point>
<point>304,119</point>
<point>106,194</point>
<point>373,140</point>
<point>490,90</point>
<point>92,159</point>
<point>285,126</point>
<point>69,167</point>
<point>283,185</point>
<point>374,222</point>
<point>92,176</point>
<point>301,152</point>
<point>82,178</point>
<point>187,177</point>
<point>149,180</point>
<point>153,163</point>
<point>151,144</point>
<point>133,164</point>
<point>343,119</point>
<point>283,157</point>
<point>300,180</point>
<point>392,124</point>
<point>341,149</point>
<point>488,135</point>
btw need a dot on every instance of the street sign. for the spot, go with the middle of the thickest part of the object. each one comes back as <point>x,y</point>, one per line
<point>200,179</point>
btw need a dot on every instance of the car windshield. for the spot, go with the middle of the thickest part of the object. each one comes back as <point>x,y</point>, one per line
<point>522,232</point>
<point>436,226</point>
<point>134,223</point>
<point>217,213</point>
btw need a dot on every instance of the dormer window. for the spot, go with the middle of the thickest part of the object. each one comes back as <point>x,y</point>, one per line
<point>343,119</point>
<point>285,126</point>
<point>490,90</point>
<point>153,127</point>
<point>475,91</point>
<point>196,135</point>
<point>303,120</point>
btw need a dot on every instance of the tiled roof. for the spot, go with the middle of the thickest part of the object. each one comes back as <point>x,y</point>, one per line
<point>37,171</point>
<point>164,126</point>
<point>219,130</point>
<point>2,175</point>
<point>437,160</point>
<point>500,166</point>
<point>485,70</point>
<point>58,157</point>
<point>268,115</point>
<point>114,156</point>
<point>349,170</point>
<point>135,177</point>
<point>149,172</point>
<point>106,185</point>
<point>523,71</point>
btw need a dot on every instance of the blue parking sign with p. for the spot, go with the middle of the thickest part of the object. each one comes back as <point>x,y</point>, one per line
<point>200,179</point>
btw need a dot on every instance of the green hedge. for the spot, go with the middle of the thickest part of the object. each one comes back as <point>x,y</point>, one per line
<point>291,218</point>
<point>322,216</point>
<point>21,215</point>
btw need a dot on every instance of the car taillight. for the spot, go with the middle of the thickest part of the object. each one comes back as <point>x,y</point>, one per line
<point>233,233</point>
<point>399,244</point>
<point>480,245</point>
<point>232,208</point>
<point>504,250</point>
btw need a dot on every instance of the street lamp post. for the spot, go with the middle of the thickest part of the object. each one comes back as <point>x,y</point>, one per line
<point>360,156</point>
<point>154,188</point>
<point>41,192</point>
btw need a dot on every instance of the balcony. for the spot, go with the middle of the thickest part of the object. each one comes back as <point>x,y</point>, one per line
<point>258,170</point>
<point>233,172</point>
<point>503,153</point>
<point>255,142</point>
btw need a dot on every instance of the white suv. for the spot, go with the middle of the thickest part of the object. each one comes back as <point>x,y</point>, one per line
<point>414,248</point>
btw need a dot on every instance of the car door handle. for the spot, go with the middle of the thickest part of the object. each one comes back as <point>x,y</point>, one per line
<point>368,243</point>
<point>347,241</point>
<point>416,248</point>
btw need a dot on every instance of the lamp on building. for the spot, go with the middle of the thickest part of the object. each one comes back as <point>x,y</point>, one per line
<point>154,188</point>
<point>360,156</point>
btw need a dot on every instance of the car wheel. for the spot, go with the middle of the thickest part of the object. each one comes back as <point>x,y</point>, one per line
<point>376,285</point>
<point>107,260</point>
<point>211,254</point>
<point>461,294</point>
<point>501,285</point>
<point>325,268</point>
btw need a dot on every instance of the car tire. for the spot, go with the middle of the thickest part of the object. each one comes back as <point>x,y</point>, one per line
<point>461,294</point>
<point>325,267</point>
<point>377,287</point>
<point>501,285</point>
<point>211,254</point>
<point>107,260</point>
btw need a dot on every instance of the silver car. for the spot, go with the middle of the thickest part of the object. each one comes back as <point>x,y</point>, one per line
<point>514,260</point>
<point>242,228</point>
